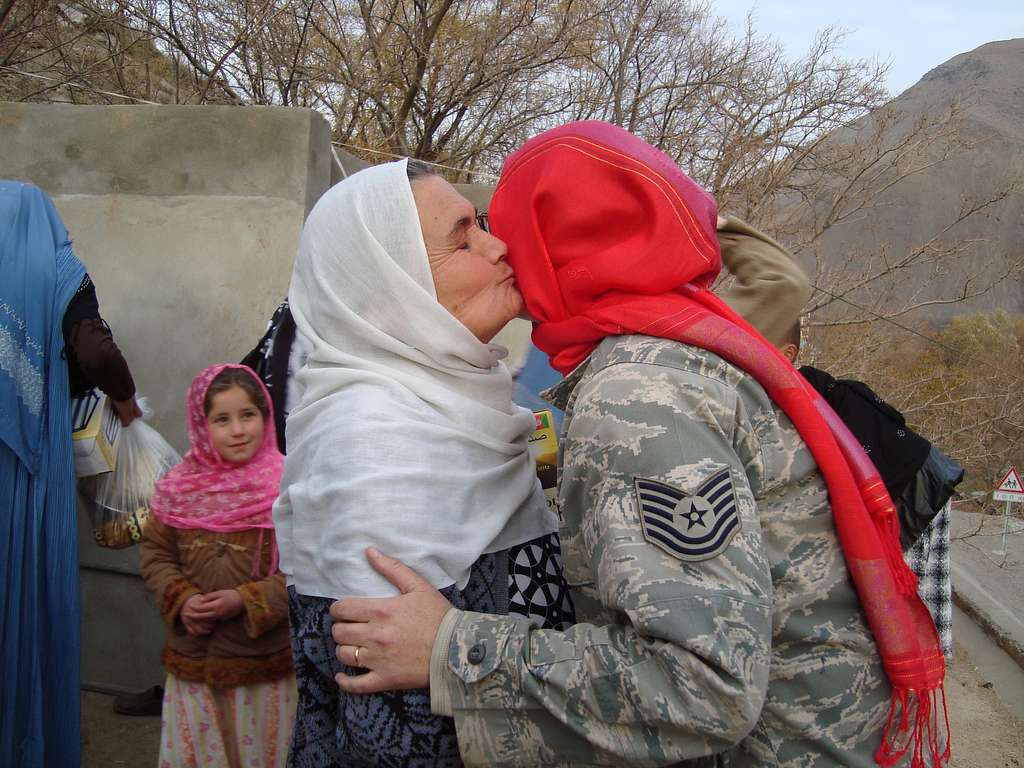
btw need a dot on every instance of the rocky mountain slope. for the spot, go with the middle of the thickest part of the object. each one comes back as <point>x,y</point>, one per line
<point>983,90</point>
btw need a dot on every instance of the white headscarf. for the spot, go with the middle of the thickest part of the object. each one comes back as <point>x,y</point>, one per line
<point>406,437</point>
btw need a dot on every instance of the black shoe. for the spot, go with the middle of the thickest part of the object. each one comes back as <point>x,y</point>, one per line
<point>144,703</point>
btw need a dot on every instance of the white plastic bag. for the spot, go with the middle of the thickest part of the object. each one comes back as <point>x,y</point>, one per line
<point>118,501</point>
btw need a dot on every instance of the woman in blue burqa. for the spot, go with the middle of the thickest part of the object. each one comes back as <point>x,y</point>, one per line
<point>44,295</point>
<point>39,548</point>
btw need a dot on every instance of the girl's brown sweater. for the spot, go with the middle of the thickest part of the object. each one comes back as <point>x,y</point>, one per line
<point>252,647</point>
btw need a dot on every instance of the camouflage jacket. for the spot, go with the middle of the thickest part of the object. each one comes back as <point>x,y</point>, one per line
<point>716,612</point>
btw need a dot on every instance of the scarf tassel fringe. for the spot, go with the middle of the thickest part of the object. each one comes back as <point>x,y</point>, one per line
<point>275,559</point>
<point>918,728</point>
<point>883,513</point>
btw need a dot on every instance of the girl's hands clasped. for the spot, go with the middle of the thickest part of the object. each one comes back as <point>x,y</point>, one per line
<point>196,616</point>
<point>201,612</point>
<point>224,603</point>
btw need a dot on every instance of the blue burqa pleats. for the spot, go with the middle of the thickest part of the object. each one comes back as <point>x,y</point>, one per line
<point>39,595</point>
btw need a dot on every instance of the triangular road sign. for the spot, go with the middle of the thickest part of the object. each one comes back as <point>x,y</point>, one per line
<point>1011,483</point>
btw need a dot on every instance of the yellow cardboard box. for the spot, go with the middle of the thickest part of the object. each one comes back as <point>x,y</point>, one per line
<point>544,448</point>
<point>95,428</point>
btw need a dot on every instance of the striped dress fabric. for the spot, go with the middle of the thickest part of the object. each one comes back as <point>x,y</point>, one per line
<point>246,726</point>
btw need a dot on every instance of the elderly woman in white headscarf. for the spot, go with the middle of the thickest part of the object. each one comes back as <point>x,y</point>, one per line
<point>405,440</point>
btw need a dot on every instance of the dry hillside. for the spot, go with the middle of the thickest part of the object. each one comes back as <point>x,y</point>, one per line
<point>957,139</point>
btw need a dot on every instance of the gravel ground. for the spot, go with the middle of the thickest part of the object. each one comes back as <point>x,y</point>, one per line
<point>985,733</point>
<point>110,740</point>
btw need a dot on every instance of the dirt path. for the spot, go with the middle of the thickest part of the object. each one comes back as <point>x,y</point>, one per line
<point>116,741</point>
<point>985,734</point>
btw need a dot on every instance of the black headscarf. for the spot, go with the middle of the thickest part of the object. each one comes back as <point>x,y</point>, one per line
<point>895,449</point>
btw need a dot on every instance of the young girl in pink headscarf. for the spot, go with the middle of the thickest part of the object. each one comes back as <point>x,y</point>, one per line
<point>210,559</point>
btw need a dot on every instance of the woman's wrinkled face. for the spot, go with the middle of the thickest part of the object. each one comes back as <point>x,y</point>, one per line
<point>472,278</point>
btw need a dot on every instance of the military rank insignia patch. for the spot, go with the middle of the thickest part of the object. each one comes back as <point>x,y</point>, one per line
<point>691,526</point>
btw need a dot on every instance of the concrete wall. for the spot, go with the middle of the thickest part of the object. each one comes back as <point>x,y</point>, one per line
<point>188,219</point>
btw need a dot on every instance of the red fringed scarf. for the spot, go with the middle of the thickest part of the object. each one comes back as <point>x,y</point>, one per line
<point>608,237</point>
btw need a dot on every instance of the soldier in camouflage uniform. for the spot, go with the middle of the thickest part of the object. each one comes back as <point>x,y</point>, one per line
<point>716,611</point>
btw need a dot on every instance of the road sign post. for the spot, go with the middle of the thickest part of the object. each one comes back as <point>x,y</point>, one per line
<point>1010,490</point>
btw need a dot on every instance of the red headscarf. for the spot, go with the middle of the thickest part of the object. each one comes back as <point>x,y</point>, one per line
<point>608,236</point>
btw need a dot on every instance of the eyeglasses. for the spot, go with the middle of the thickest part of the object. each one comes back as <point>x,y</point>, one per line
<point>481,221</point>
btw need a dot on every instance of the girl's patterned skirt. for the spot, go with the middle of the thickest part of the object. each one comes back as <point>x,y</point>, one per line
<point>247,726</point>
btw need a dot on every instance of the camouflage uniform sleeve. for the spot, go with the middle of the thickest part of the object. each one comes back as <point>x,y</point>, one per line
<point>675,663</point>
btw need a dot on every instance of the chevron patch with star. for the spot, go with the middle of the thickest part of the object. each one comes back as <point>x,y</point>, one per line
<point>690,526</point>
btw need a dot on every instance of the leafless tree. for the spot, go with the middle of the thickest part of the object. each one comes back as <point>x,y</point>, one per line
<point>806,146</point>
<point>961,386</point>
<point>457,82</point>
<point>82,52</point>
<point>850,189</point>
<point>731,108</point>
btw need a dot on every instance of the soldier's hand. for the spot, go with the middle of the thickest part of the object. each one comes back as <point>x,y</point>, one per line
<point>391,637</point>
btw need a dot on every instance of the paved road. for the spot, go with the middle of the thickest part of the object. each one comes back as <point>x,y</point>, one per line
<point>988,575</point>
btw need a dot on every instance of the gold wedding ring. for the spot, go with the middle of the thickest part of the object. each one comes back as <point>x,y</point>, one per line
<point>358,648</point>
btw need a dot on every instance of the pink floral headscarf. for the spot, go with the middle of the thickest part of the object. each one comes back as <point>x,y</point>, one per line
<point>205,491</point>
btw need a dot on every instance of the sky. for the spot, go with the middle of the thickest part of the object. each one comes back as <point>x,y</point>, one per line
<point>911,35</point>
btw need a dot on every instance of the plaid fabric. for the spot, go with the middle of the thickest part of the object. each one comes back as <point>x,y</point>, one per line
<point>929,559</point>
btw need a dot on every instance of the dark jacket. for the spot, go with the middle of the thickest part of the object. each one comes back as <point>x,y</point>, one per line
<point>919,477</point>
<point>269,358</point>
<point>93,358</point>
